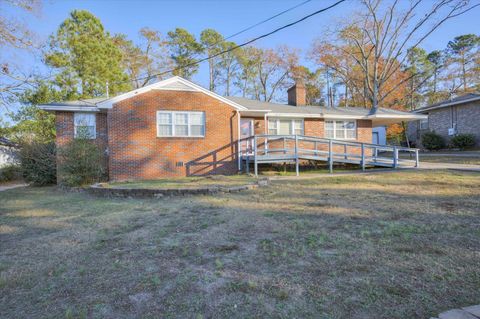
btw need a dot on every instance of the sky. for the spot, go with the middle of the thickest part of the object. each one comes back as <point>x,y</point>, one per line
<point>227,17</point>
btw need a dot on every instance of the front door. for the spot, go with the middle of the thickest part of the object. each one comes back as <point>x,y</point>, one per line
<point>246,132</point>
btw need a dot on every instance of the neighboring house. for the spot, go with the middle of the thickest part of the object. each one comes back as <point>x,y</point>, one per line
<point>176,128</point>
<point>8,152</point>
<point>460,115</point>
<point>379,135</point>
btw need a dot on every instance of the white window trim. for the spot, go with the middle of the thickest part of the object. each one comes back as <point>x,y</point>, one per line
<point>94,124</point>
<point>345,130</point>
<point>278,119</point>
<point>189,124</point>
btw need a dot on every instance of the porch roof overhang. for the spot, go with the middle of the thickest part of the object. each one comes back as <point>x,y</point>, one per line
<point>377,119</point>
<point>384,119</point>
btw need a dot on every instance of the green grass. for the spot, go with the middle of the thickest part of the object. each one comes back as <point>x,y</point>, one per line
<point>388,245</point>
<point>186,182</point>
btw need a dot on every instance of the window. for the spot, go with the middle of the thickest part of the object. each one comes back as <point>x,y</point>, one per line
<point>341,129</point>
<point>285,126</point>
<point>424,124</point>
<point>84,125</point>
<point>184,124</point>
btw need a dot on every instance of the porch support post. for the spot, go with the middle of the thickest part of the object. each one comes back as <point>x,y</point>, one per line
<point>255,155</point>
<point>247,164</point>
<point>297,170</point>
<point>417,159</point>
<point>330,156</point>
<point>239,144</point>
<point>345,150</point>
<point>266,145</point>
<point>363,157</point>
<point>395,157</point>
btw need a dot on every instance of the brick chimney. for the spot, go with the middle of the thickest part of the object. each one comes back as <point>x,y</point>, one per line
<point>297,95</point>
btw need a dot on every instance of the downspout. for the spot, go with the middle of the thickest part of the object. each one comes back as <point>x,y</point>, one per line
<point>239,155</point>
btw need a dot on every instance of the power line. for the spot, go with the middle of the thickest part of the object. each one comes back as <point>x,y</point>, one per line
<point>266,20</point>
<point>239,45</point>
<point>239,32</point>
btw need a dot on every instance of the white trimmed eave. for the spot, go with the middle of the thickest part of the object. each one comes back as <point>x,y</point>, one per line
<point>387,119</point>
<point>162,85</point>
<point>294,115</point>
<point>344,117</point>
<point>473,99</point>
<point>66,108</point>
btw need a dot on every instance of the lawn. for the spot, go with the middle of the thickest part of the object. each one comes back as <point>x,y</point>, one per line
<point>444,157</point>
<point>389,245</point>
<point>451,159</point>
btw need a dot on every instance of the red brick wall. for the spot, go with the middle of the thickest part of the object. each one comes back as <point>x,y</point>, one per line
<point>316,127</point>
<point>137,153</point>
<point>65,132</point>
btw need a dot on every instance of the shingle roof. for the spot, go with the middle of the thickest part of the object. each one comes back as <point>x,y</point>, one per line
<point>283,108</point>
<point>83,102</point>
<point>454,101</point>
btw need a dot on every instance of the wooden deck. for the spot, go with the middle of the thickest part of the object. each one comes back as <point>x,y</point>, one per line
<point>297,148</point>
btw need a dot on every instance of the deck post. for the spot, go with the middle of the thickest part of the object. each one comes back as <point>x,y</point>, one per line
<point>239,145</point>
<point>255,151</point>
<point>316,149</point>
<point>330,156</point>
<point>395,157</point>
<point>247,164</point>
<point>284,146</point>
<point>297,171</point>
<point>417,159</point>
<point>345,150</point>
<point>266,145</point>
<point>363,157</point>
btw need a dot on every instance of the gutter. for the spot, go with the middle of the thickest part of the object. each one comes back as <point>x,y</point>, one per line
<point>428,108</point>
<point>49,107</point>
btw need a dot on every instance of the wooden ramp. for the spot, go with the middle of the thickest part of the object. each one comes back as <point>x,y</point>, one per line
<point>297,148</point>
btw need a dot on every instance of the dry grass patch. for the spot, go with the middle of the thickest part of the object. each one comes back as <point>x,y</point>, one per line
<point>392,245</point>
<point>187,182</point>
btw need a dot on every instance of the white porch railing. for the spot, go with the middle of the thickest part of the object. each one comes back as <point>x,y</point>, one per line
<point>294,148</point>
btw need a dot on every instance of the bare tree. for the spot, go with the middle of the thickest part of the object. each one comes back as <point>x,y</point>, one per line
<point>144,61</point>
<point>14,35</point>
<point>381,33</point>
<point>266,71</point>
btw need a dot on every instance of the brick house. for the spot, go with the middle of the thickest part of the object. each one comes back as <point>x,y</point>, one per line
<point>176,128</point>
<point>460,115</point>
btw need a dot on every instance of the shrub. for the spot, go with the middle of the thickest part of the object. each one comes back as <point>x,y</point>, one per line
<point>38,163</point>
<point>80,163</point>
<point>432,141</point>
<point>463,141</point>
<point>10,173</point>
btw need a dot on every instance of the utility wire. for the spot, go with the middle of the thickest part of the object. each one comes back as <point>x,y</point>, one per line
<point>244,30</point>
<point>239,45</point>
<point>266,20</point>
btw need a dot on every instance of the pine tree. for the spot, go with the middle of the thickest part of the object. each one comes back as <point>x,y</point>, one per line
<point>86,57</point>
